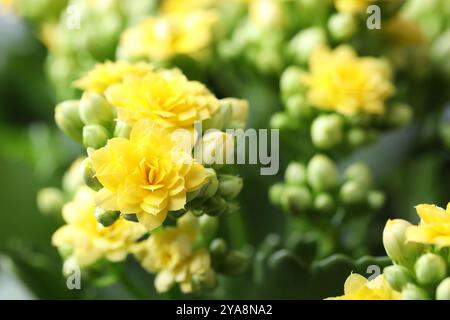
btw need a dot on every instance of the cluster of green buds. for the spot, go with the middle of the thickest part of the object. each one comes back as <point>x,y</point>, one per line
<point>226,261</point>
<point>419,272</point>
<point>318,190</point>
<point>331,131</point>
<point>90,120</point>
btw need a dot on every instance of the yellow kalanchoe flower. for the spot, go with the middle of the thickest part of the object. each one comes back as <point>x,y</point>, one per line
<point>357,287</point>
<point>434,227</point>
<point>182,6</point>
<point>88,240</point>
<point>170,253</point>
<point>108,73</point>
<point>352,6</point>
<point>340,80</point>
<point>165,96</point>
<point>147,175</point>
<point>161,38</point>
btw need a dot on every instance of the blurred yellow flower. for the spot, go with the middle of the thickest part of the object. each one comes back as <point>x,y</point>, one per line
<point>434,227</point>
<point>352,6</point>
<point>183,6</point>
<point>357,287</point>
<point>341,81</point>
<point>147,175</point>
<point>170,253</point>
<point>166,97</point>
<point>108,73</point>
<point>87,239</point>
<point>161,38</point>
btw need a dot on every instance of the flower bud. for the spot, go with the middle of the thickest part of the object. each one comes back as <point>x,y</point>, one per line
<point>94,109</point>
<point>122,129</point>
<point>234,263</point>
<point>397,276</point>
<point>68,119</point>
<point>305,42</point>
<point>281,120</point>
<point>353,193</point>
<point>208,227</point>
<point>232,207</point>
<point>356,137</point>
<point>215,206</point>
<point>217,147</point>
<point>430,269</point>
<point>413,292</point>
<point>291,81</point>
<point>106,217</point>
<point>221,118</point>
<point>394,241</point>
<point>50,200</point>
<point>399,115</point>
<point>298,107</point>
<point>88,174</point>
<point>327,131</point>
<point>239,112</point>
<point>296,199</point>
<point>295,174</point>
<point>209,190</point>
<point>360,173</point>
<point>72,179</point>
<point>218,247</point>
<point>95,136</point>
<point>443,290</point>
<point>275,193</point>
<point>324,202</point>
<point>322,173</point>
<point>342,26</point>
<point>376,199</point>
<point>230,186</point>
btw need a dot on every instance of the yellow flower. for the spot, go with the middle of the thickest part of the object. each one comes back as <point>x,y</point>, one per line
<point>166,96</point>
<point>88,240</point>
<point>352,6</point>
<point>182,6</point>
<point>161,38</point>
<point>108,73</point>
<point>147,175</point>
<point>357,287</point>
<point>339,80</point>
<point>170,253</point>
<point>434,227</point>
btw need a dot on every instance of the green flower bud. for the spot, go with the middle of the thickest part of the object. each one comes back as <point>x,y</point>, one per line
<point>95,136</point>
<point>376,199</point>
<point>234,263</point>
<point>324,202</point>
<point>268,61</point>
<point>305,42</point>
<point>221,118</point>
<point>296,199</point>
<point>360,173</point>
<point>298,107</point>
<point>68,119</point>
<point>430,269</point>
<point>50,200</point>
<point>208,227</point>
<point>89,175</point>
<point>206,191</point>
<point>397,276</point>
<point>295,174</point>
<point>239,112</point>
<point>398,249</point>
<point>281,120</point>
<point>94,109</point>
<point>342,26</point>
<point>122,129</point>
<point>291,81</point>
<point>356,137</point>
<point>215,206</point>
<point>399,115</point>
<point>275,193</point>
<point>322,173</point>
<point>218,247</point>
<point>443,290</point>
<point>230,186</point>
<point>106,217</point>
<point>353,193</point>
<point>327,131</point>
<point>413,292</point>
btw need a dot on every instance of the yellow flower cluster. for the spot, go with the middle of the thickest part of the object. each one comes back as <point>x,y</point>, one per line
<point>339,80</point>
<point>147,175</point>
<point>160,38</point>
<point>170,253</point>
<point>434,227</point>
<point>357,287</point>
<point>352,6</point>
<point>86,239</point>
